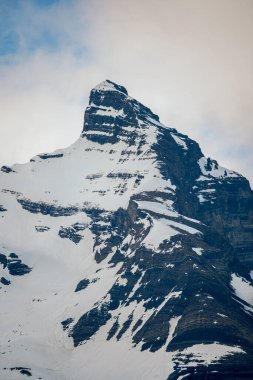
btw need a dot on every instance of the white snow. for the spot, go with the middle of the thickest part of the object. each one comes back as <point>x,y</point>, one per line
<point>172,294</point>
<point>122,281</point>
<point>185,227</point>
<point>173,324</point>
<point>201,198</point>
<point>222,315</point>
<point>191,220</point>
<point>160,231</point>
<point>208,353</point>
<point>243,289</point>
<point>218,172</point>
<point>207,191</point>
<point>199,251</point>
<point>107,133</point>
<point>105,86</point>
<point>63,181</point>
<point>165,208</point>
<point>179,141</point>
<point>109,111</point>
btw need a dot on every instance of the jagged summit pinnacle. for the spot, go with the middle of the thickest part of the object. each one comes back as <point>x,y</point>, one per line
<point>108,94</point>
<point>108,85</point>
<point>111,112</point>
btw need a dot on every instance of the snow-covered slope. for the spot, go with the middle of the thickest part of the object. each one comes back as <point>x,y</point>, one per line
<point>121,249</point>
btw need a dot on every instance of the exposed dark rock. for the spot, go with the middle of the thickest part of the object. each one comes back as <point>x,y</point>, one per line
<point>89,324</point>
<point>42,228</point>
<point>113,126</point>
<point>4,281</point>
<point>7,169</point>
<point>46,156</point>
<point>14,265</point>
<point>3,260</point>
<point>26,372</point>
<point>113,330</point>
<point>125,327</point>
<point>46,208</point>
<point>82,285</point>
<point>13,255</point>
<point>71,232</point>
<point>66,323</point>
<point>231,214</point>
<point>17,268</point>
<point>22,370</point>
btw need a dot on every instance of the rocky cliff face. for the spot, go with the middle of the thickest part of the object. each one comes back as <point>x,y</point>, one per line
<point>131,247</point>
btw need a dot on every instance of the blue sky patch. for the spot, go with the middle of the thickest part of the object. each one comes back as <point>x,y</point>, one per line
<point>9,43</point>
<point>45,3</point>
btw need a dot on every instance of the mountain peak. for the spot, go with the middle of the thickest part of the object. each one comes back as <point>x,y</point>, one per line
<point>111,112</point>
<point>108,85</point>
<point>128,244</point>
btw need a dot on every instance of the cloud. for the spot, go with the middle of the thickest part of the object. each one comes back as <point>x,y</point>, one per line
<point>190,61</point>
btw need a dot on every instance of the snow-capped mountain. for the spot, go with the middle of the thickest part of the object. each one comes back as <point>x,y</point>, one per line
<point>128,255</point>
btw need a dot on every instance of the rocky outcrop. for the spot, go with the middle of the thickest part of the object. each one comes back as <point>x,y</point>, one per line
<point>13,266</point>
<point>113,116</point>
<point>46,208</point>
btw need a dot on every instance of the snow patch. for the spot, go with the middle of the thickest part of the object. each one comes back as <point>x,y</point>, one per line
<point>173,324</point>
<point>242,288</point>
<point>199,251</point>
<point>179,141</point>
<point>161,230</point>
<point>211,168</point>
<point>205,354</point>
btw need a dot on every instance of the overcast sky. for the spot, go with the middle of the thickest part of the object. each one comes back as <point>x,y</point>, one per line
<point>190,61</point>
